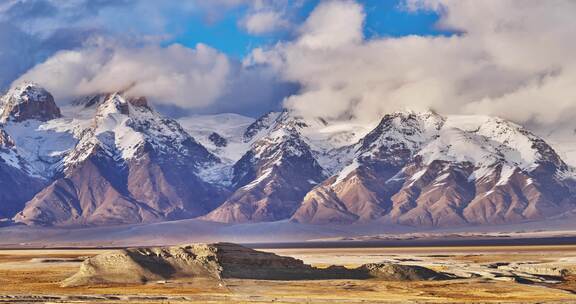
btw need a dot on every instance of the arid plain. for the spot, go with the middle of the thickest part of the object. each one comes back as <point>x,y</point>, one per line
<point>514,274</point>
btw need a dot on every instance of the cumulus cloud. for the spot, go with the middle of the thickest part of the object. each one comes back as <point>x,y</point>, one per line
<point>33,30</point>
<point>260,16</point>
<point>511,58</point>
<point>265,17</point>
<point>262,22</point>
<point>175,76</point>
<point>333,24</point>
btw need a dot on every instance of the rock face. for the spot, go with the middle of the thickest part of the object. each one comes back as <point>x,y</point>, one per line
<point>130,166</point>
<point>424,169</point>
<point>28,101</point>
<point>223,261</point>
<point>218,140</point>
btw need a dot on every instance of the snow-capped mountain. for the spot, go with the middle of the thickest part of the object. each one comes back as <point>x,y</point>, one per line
<point>111,159</point>
<point>19,179</point>
<point>28,101</point>
<point>427,169</point>
<point>128,165</point>
<point>272,177</point>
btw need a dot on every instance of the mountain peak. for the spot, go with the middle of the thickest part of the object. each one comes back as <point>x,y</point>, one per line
<point>114,104</point>
<point>408,130</point>
<point>98,99</point>
<point>28,101</point>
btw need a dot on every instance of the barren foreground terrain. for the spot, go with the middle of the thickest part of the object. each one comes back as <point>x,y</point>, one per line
<point>523,274</point>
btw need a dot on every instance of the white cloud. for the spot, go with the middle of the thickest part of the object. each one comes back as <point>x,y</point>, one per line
<point>175,75</point>
<point>511,58</point>
<point>263,22</point>
<point>333,24</point>
<point>199,79</point>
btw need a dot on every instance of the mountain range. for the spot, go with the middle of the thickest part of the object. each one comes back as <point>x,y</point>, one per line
<point>111,159</point>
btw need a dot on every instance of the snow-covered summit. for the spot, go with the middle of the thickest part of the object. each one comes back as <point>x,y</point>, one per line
<point>28,101</point>
<point>486,141</point>
<point>125,128</point>
<point>482,141</point>
<point>434,170</point>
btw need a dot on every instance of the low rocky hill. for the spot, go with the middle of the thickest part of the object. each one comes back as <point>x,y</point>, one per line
<point>223,261</point>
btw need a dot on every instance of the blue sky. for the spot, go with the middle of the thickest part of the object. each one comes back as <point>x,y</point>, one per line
<point>384,18</point>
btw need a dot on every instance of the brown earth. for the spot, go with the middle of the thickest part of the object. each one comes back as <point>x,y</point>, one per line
<point>21,278</point>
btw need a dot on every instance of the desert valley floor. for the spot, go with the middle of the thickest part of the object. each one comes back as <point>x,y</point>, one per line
<point>502,274</point>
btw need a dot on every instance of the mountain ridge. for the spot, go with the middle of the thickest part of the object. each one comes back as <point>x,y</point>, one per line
<point>111,159</point>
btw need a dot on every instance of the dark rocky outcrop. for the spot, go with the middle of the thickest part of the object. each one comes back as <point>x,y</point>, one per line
<point>217,140</point>
<point>397,272</point>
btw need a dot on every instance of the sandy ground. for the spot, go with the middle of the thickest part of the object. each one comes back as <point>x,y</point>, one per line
<point>358,256</point>
<point>33,276</point>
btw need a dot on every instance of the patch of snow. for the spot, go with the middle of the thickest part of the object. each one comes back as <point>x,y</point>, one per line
<point>484,142</point>
<point>333,143</point>
<point>219,173</point>
<point>489,192</point>
<point>345,172</point>
<point>263,175</point>
<point>230,126</point>
<point>416,176</point>
<point>11,158</point>
<point>480,173</point>
<point>44,144</point>
<point>505,175</point>
<point>442,177</point>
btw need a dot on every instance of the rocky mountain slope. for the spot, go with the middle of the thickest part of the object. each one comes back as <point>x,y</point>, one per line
<point>111,159</point>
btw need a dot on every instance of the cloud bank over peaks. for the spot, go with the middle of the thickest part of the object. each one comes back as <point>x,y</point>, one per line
<point>175,76</point>
<point>507,58</point>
